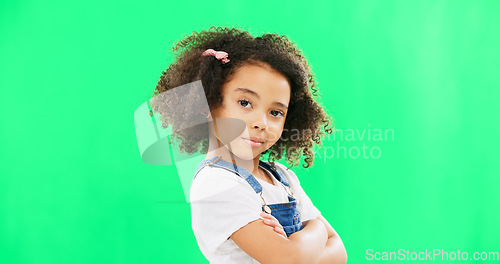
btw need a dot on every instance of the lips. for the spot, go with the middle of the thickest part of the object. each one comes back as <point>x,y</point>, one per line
<point>253,141</point>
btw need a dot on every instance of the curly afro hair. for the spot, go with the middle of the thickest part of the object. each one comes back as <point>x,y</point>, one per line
<point>305,119</point>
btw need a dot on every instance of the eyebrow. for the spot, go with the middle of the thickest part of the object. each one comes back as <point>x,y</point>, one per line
<point>246,90</point>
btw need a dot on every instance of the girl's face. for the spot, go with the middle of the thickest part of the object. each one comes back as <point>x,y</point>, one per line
<point>253,111</point>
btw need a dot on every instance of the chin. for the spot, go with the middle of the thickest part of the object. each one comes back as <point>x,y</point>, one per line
<point>243,151</point>
<point>245,154</point>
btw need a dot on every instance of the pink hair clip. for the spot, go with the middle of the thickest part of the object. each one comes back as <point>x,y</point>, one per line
<point>220,55</point>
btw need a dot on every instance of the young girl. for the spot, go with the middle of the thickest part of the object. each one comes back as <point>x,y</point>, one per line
<point>259,92</point>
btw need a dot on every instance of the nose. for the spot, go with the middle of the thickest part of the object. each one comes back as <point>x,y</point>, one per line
<point>259,122</point>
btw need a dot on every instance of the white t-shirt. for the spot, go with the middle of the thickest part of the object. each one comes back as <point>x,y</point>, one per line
<point>223,202</point>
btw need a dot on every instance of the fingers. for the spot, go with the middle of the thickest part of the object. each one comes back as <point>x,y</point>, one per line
<point>273,222</point>
<point>280,231</point>
<point>269,216</point>
<point>276,225</point>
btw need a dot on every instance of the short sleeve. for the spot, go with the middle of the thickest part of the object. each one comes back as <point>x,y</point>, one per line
<point>221,203</point>
<point>306,208</point>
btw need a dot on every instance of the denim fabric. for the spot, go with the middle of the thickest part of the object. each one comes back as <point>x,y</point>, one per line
<point>286,213</point>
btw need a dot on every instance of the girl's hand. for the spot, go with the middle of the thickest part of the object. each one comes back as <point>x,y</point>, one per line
<point>270,220</point>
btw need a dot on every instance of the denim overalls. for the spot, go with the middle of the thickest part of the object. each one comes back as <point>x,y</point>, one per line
<point>286,213</point>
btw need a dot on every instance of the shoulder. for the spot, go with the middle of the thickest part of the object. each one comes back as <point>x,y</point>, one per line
<point>214,176</point>
<point>210,181</point>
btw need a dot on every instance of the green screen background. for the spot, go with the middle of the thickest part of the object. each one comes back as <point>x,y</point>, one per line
<point>73,187</point>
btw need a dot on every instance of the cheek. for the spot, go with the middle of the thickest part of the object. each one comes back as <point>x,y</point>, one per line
<point>275,133</point>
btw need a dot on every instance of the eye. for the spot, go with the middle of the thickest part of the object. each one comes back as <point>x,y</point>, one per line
<point>276,113</point>
<point>244,103</point>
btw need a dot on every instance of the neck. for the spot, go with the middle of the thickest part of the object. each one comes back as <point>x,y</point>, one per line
<point>215,148</point>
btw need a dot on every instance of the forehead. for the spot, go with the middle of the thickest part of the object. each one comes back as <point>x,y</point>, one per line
<point>264,80</point>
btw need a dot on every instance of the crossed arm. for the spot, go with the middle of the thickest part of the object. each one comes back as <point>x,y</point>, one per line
<point>316,243</point>
<point>334,251</point>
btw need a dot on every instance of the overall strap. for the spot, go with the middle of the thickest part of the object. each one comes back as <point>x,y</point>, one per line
<point>276,173</point>
<point>281,178</point>
<point>240,171</point>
